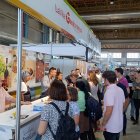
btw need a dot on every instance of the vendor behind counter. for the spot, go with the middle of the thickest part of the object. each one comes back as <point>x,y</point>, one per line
<point>25,90</point>
<point>5,97</point>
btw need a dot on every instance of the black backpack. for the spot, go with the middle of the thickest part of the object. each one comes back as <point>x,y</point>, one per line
<point>94,109</point>
<point>66,126</point>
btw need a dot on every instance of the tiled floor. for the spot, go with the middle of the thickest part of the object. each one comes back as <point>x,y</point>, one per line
<point>133,132</point>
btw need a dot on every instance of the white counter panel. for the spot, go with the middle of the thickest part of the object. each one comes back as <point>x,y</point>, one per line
<point>29,125</point>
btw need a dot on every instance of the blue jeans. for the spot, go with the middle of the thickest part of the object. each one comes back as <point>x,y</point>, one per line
<point>132,111</point>
<point>137,106</point>
<point>111,136</point>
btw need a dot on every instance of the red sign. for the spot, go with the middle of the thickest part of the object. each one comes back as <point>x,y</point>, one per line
<point>68,19</point>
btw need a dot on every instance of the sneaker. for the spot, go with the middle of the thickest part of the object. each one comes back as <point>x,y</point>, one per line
<point>132,119</point>
<point>135,122</point>
<point>124,133</point>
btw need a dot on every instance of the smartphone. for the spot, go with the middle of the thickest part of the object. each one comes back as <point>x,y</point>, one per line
<point>23,116</point>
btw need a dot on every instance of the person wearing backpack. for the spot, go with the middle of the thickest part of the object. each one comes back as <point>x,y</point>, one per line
<point>83,94</point>
<point>56,122</point>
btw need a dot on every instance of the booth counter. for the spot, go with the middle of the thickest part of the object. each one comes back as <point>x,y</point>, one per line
<point>28,125</point>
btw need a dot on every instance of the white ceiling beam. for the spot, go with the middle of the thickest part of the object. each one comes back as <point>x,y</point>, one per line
<point>121,41</point>
<point>113,16</point>
<point>116,26</point>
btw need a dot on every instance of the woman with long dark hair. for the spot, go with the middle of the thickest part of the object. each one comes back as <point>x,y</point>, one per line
<point>85,132</point>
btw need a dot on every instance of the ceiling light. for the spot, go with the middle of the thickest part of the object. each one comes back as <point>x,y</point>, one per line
<point>112,2</point>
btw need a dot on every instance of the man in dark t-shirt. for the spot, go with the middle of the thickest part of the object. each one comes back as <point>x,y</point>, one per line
<point>124,89</point>
<point>125,107</point>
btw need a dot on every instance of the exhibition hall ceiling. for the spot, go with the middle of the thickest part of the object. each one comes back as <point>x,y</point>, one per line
<point>115,22</point>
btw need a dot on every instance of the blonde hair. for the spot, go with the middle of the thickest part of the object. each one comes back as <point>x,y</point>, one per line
<point>93,78</point>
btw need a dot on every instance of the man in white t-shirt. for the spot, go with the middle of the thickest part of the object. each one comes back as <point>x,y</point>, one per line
<point>114,101</point>
<point>47,80</point>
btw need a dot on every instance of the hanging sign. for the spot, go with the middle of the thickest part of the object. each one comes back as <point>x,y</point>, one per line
<point>58,15</point>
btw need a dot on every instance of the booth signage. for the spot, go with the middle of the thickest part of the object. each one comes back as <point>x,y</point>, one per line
<point>58,15</point>
<point>67,18</point>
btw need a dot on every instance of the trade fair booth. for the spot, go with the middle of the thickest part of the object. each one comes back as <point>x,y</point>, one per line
<point>21,123</point>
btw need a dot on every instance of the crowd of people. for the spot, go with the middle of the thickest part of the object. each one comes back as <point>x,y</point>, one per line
<point>113,90</point>
<point>68,116</point>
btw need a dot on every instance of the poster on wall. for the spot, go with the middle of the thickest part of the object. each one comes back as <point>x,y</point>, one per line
<point>8,66</point>
<point>31,62</point>
<point>14,66</point>
<point>5,65</point>
<point>30,66</point>
<point>39,67</point>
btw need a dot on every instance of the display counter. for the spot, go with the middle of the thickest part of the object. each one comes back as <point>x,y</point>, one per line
<point>35,91</point>
<point>28,126</point>
<point>13,89</point>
